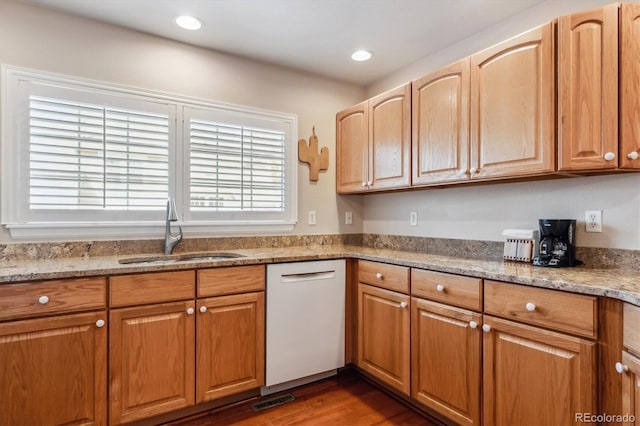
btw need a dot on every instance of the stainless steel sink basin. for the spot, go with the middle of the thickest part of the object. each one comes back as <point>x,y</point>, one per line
<point>177,258</point>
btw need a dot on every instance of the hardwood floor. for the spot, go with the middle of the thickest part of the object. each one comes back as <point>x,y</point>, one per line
<point>343,400</point>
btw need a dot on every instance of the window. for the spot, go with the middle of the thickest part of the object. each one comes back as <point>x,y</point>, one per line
<point>84,156</point>
<point>92,159</point>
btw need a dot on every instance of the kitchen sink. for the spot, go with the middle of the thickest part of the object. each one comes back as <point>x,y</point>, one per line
<point>187,257</point>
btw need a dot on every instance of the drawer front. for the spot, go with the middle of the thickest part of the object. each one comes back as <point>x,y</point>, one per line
<point>558,310</point>
<point>230,280</point>
<point>632,328</point>
<point>456,290</point>
<point>51,297</point>
<point>141,289</point>
<point>391,277</point>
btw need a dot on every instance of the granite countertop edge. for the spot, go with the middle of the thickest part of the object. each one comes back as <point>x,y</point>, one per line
<point>615,283</point>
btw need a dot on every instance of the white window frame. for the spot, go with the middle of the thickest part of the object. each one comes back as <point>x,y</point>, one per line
<point>14,210</point>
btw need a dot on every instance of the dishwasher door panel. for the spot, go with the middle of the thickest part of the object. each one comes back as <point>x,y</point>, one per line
<point>305,319</point>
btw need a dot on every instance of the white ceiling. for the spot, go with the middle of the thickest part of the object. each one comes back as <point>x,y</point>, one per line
<point>315,36</point>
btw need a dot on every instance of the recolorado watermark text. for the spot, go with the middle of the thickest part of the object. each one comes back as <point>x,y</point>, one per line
<point>604,418</point>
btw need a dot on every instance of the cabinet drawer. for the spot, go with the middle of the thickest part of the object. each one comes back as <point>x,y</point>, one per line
<point>632,328</point>
<point>51,297</point>
<point>456,290</point>
<point>230,280</point>
<point>391,277</point>
<point>571,313</point>
<point>140,289</point>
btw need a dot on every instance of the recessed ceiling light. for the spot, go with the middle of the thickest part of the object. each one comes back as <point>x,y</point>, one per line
<point>361,55</point>
<point>189,22</point>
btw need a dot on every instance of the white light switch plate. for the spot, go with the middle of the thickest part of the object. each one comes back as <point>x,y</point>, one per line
<point>312,217</point>
<point>413,218</point>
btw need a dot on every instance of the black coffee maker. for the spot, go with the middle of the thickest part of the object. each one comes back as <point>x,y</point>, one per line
<point>557,243</point>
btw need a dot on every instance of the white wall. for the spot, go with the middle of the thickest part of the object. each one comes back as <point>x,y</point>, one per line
<point>42,39</point>
<point>481,212</point>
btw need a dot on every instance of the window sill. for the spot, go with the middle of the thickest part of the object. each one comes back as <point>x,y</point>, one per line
<point>133,230</point>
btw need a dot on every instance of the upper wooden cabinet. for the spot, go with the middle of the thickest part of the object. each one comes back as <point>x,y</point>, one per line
<point>352,141</point>
<point>588,90</point>
<point>440,138</point>
<point>512,107</point>
<point>629,152</point>
<point>390,139</point>
<point>373,143</point>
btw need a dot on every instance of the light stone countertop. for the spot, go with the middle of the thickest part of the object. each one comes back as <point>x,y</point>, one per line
<point>616,283</point>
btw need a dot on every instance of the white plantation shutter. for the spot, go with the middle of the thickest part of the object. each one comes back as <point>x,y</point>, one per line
<point>87,159</point>
<point>236,167</point>
<point>84,156</point>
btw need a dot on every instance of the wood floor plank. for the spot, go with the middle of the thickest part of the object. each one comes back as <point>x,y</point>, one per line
<point>342,400</point>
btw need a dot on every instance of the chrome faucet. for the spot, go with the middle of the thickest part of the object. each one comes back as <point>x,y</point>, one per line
<point>171,240</point>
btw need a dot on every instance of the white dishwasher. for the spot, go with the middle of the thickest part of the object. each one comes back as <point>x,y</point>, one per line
<point>305,322</point>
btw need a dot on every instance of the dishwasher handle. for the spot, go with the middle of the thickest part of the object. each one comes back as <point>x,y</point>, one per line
<point>307,276</point>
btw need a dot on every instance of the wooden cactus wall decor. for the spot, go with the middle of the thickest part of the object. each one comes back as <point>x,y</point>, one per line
<point>309,154</point>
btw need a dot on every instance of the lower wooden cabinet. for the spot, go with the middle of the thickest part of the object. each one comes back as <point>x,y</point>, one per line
<point>533,376</point>
<point>631,389</point>
<point>53,370</point>
<point>383,335</point>
<point>230,345</point>
<point>446,353</point>
<point>152,360</point>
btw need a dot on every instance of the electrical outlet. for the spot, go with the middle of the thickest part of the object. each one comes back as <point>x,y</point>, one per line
<point>593,220</point>
<point>312,217</point>
<point>413,218</point>
<point>348,218</point>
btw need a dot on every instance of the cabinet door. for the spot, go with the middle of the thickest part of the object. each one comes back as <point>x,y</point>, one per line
<point>629,86</point>
<point>512,107</point>
<point>352,141</point>
<point>533,376</point>
<point>445,360</point>
<point>390,139</point>
<point>588,90</point>
<point>631,388</point>
<point>440,142</point>
<point>54,371</point>
<point>383,335</point>
<point>230,348</point>
<point>152,357</point>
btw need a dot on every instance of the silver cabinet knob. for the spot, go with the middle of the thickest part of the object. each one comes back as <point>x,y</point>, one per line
<point>473,324</point>
<point>190,311</point>
<point>621,368</point>
<point>609,156</point>
<point>43,300</point>
<point>379,276</point>
<point>530,306</point>
<point>203,309</point>
<point>100,323</point>
<point>632,155</point>
<point>403,305</point>
<point>440,288</point>
<point>369,183</point>
<point>486,328</point>
<point>364,184</point>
